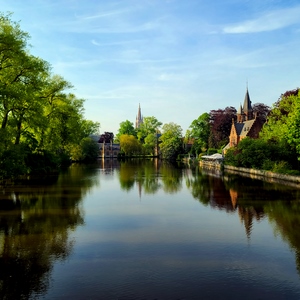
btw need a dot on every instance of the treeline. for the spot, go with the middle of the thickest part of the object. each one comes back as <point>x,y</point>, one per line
<point>207,134</point>
<point>42,126</point>
<point>145,139</point>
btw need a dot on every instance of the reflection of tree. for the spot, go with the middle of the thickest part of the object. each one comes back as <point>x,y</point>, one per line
<point>127,174</point>
<point>209,190</point>
<point>143,172</point>
<point>199,185</point>
<point>171,178</point>
<point>35,221</point>
<point>150,176</point>
<point>285,216</point>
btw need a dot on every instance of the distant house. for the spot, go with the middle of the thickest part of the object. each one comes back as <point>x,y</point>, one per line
<point>107,148</point>
<point>247,124</point>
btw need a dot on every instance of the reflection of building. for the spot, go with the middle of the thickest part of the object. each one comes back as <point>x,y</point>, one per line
<point>247,124</point>
<point>246,214</point>
<point>139,118</point>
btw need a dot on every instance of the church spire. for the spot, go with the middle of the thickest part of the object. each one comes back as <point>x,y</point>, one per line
<point>247,108</point>
<point>139,118</point>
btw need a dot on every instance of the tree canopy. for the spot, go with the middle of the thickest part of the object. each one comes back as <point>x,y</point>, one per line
<point>37,114</point>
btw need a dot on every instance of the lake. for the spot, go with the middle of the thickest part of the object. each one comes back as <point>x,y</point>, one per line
<point>144,229</point>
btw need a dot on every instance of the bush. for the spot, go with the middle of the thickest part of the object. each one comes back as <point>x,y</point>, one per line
<point>86,151</point>
<point>12,162</point>
<point>42,162</point>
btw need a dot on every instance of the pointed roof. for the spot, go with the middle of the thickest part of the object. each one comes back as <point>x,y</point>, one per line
<point>139,115</point>
<point>242,129</point>
<point>139,118</point>
<point>247,103</point>
<point>240,110</point>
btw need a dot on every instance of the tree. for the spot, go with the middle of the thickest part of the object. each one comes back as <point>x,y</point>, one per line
<point>200,131</point>
<point>171,141</point>
<point>21,77</point>
<point>87,150</point>
<point>39,122</point>
<point>129,144</point>
<point>281,128</point>
<point>126,127</point>
<point>293,124</point>
<point>261,110</point>
<point>150,126</point>
<point>150,143</point>
<point>221,121</point>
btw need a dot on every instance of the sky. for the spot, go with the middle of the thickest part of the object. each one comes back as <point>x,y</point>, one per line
<point>176,58</point>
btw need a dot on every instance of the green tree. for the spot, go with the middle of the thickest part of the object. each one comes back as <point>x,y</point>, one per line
<point>281,128</point>
<point>293,125</point>
<point>150,143</point>
<point>126,127</point>
<point>150,126</point>
<point>129,145</point>
<point>39,122</point>
<point>200,131</point>
<point>87,150</point>
<point>171,141</point>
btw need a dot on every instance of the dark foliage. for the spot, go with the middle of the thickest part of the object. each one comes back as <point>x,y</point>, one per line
<point>221,120</point>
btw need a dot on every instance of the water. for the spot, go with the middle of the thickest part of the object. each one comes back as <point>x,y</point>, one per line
<point>148,230</point>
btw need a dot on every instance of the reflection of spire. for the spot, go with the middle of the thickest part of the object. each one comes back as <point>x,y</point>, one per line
<point>246,217</point>
<point>140,189</point>
<point>233,196</point>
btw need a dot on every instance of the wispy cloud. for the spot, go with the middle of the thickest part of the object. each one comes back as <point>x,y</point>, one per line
<point>105,14</point>
<point>270,21</point>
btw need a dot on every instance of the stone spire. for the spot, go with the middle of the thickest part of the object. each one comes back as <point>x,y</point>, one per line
<point>247,108</point>
<point>139,118</point>
<point>240,114</point>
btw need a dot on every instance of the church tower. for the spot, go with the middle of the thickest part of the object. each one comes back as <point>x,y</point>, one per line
<point>139,118</point>
<point>247,108</point>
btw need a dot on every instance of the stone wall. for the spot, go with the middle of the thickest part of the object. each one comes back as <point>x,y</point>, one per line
<point>264,175</point>
<point>253,173</point>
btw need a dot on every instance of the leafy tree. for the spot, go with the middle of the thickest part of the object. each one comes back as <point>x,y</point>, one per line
<point>261,110</point>
<point>126,127</point>
<point>87,150</point>
<point>200,131</point>
<point>150,143</point>
<point>221,121</point>
<point>171,141</point>
<point>36,114</point>
<point>150,126</point>
<point>129,145</point>
<point>282,126</point>
<point>293,124</point>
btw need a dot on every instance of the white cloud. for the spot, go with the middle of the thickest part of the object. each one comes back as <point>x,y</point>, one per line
<point>270,21</point>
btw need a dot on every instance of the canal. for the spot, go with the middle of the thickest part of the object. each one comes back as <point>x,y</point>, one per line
<point>148,230</point>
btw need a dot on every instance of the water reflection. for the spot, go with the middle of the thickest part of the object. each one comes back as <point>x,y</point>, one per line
<point>150,176</point>
<point>173,240</point>
<point>36,218</point>
<point>253,200</point>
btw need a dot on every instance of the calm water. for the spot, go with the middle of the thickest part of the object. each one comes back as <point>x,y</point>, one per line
<point>147,230</point>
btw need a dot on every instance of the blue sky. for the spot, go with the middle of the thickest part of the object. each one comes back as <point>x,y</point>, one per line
<point>177,58</point>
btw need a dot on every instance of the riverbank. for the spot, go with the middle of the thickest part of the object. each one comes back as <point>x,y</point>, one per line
<point>268,176</point>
